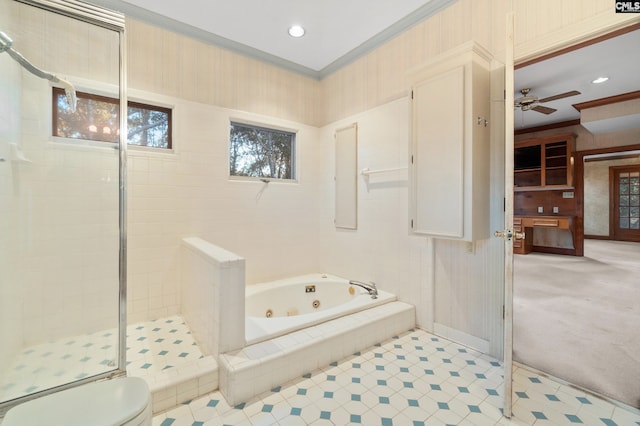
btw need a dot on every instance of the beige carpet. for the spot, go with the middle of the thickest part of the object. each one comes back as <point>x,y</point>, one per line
<point>578,318</point>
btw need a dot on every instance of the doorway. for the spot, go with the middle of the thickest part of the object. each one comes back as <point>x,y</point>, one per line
<point>566,308</point>
<point>625,203</point>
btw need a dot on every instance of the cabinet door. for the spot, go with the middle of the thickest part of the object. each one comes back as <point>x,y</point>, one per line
<point>438,155</point>
<point>346,178</point>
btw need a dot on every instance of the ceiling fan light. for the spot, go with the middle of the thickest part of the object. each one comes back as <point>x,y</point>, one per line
<point>296,31</point>
<point>600,80</point>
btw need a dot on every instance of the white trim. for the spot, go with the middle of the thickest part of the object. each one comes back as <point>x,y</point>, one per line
<point>461,337</point>
<point>508,217</point>
<point>570,35</point>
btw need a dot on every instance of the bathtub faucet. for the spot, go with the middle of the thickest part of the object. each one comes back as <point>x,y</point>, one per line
<point>371,287</point>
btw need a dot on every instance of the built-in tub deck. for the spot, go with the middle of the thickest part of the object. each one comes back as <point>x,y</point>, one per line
<point>289,307</point>
<point>259,367</point>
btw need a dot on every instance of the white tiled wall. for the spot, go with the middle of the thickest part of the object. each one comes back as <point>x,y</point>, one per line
<point>281,229</point>
<point>381,249</point>
<point>66,216</point>
<point>60,208</point>
<point>212,288</point>
<point>188,193</point>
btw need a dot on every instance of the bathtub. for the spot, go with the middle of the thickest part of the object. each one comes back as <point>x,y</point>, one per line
<point>279,307</point>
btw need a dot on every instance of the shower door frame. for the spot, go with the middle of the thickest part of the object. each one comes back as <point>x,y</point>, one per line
<point>114,21</point>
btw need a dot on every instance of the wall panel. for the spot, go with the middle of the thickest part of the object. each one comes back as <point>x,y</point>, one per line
<point>380,76</point>
<point>170,64</point>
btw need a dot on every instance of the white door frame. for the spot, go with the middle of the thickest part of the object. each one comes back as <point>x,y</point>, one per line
<point>508,217</point>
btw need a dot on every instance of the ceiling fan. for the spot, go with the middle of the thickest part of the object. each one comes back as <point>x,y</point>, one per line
<point>529,102</point>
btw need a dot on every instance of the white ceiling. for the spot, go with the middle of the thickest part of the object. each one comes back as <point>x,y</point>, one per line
<point>338,31</point>
<point>616,58</point>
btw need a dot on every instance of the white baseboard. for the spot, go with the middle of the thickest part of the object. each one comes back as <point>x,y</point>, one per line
<point>461,337</point>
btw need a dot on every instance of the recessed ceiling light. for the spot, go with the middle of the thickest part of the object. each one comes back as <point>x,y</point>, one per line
<point>296,31</point>
<point>600,80</point>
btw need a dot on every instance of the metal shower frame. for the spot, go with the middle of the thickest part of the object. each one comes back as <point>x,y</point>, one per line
<point>114,21</point>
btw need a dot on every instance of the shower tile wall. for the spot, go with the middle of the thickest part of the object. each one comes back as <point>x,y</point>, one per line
<point>67,229</point>
<point>188,192</point>
<point>213,295</point>
<point>63,202</point>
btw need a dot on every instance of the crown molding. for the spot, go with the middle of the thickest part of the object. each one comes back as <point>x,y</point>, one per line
<point>158,20</point>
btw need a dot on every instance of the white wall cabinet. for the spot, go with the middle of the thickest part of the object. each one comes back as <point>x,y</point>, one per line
<point>449,152</point>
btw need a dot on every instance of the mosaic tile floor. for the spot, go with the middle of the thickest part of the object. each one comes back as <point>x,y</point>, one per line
<point>151,347</point>
<point>158,345</point>
<point>51,364</point>
<point>415,379</point>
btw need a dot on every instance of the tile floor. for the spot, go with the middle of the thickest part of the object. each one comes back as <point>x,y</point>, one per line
<point>152,347</point>
<point>58,362</point>
<point>155,346</point>
<point>414,379</point>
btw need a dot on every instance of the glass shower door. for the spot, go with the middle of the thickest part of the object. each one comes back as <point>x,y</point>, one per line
<point>60,212</point>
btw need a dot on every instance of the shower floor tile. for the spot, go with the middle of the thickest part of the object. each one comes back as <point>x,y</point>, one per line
<point>152,347</point>
<point>413,379</point>
<point>58,362</point>
<point>155,346</point>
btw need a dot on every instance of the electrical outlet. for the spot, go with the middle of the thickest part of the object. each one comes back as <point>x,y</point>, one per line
<point>555,210</point>
<point>540,209</point>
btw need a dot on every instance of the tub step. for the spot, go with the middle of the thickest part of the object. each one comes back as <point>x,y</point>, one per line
<point>172,387</point>
<point>260,367</point>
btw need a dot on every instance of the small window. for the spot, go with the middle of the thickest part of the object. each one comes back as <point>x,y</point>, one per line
<point>97,119</point>
<point>261,152</point>
<point>149,125</point>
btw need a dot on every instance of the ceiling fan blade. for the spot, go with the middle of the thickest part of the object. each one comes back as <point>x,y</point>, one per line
<point>544,109</point>
<point>560,96</point>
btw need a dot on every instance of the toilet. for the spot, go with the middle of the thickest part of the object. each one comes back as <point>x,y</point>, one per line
<point>116,402</point>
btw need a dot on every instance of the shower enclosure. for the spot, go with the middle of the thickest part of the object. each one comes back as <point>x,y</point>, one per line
<point>62,213</point>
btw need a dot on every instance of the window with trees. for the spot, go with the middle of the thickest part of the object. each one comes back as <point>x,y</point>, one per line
<point>97,119</point>
<point>261,152</point>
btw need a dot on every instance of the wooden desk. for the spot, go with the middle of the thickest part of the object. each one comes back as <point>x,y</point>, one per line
<point>526,224</point>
